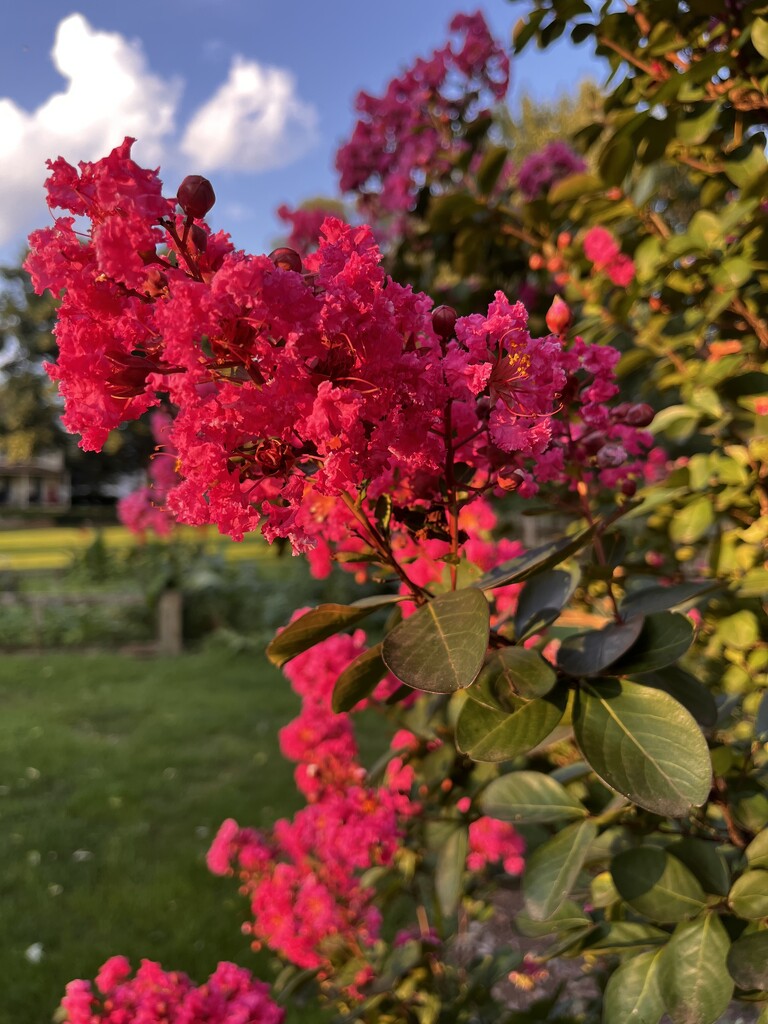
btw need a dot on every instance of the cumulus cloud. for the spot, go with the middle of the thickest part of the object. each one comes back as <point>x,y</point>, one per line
<point>110,93</point>
<point>254,122</point>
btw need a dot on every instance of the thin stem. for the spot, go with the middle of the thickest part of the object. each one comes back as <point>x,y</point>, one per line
<point>597,543</point>
<point>182,250</point>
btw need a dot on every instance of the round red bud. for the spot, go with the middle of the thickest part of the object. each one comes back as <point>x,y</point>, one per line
<point>444,321</point>
<point>286,259</point>
<point>559,317</point>
<point>639,415</point>
<point>629,488</point>
<point>611,456</point>
<point>199,238</point>
<point>196,196</point>
<point>563,240</point>
<point>536,261</point>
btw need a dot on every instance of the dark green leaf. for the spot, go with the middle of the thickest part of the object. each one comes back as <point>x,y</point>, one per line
<point>552,869</point>
<point>485,734</point>
<point>451,841</point>
<point>534,561</point>
<point>665,637</point>
<point>319,623</point>
<point>704,859</point>
<point>748,961</point>
<point>441,648</point>
<point>491,167</point>
<point>358,680</point>
<point>530,798</point>
<point>662,599</point>
<point>761,720</point>
<point>633,993</point>
<point>509,674</point>
<point>693,978</point>
<point>657,885</point>
<point>616,160</point>
<point>625,936</point>
<point>592,652</point>
<point>542,598</point>
<point>574,187</point>
<point>749,895</point>
<point>643,744</point>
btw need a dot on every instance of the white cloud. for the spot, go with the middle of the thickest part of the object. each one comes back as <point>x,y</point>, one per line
<point>254,122</point>
<point>110,93</point>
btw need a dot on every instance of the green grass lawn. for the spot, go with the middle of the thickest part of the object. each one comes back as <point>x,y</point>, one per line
<point>114,775</point>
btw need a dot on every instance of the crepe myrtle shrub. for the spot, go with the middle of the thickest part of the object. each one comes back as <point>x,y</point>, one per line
<point>325,404</point>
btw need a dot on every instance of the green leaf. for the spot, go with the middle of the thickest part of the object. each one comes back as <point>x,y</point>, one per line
<point>643,744</point>
<point>541,600</point>
<point>633,993</point>
<point>686,690</point>
<point>552,869</point>
<point>761,719</point>
<point>530,798</point>
<point>441,648</point>
<point>625,936</point>
<point>491,167</point>
<point>704,859</point>
<point>746,165</point>
<point>760,36</point>
<point>757,851</point>
<point>358,680</point>
<point>693,131</point>
<point>592,652</point>
<point>616,159</point>
<point>450,839</point>
<point>574,187</point>
<point>568,917</point>
<point>665,637</point>
<point>693,978</point>
<point>534,561</point>
<point>657,885</point>
<point>693,522</point>
<point>662,599</point>
<point>749,895</point>
<point>511,673</point>
<point>485,734</point>
<point>319,623</point>
<point>748,961</point>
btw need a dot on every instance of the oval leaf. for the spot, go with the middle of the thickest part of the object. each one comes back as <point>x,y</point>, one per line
<point>757,851</point>
<point>748,961</point>
<point>319,623</point>
<point>451,841</point>
<point>592,652</point>
<point>542,598</point>
<point>534,561</point>
<point>657,885</point>
<point>633,993</point>
<point>358,680</point>
<point>686,690</point>
<point>665,637</point>
<point>643,744</point>
<point>552,869</point>
<point>749,895</point>
<point>485,734</point>
<point>704,859</point>
<point>530,798</point>
<point>441,648</point>
<point>694,982</point>
<point>511,673</point>
<point>662,599</point>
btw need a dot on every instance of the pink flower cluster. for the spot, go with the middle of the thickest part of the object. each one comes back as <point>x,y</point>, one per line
<point>303,880</point>
<point>602,250</point>
<point>306,223</point>
<point>492,841</point>
<point>539,171</point>
<point>144,510</point>
<point>412,131</point>
<point>154,996</point>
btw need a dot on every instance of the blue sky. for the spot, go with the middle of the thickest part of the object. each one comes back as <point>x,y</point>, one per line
<point>255,93</point>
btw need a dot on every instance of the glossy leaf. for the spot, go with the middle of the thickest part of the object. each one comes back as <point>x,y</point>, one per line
<point>657,885</point>
<point>626,936</point>
<point>535,561</point>
<point>662,599</point>
<point>633,994</point>
<point>760,36</point>
<point>485,734</point>
<point>705,860</point>
<point>643,744</point>
<point>541,600</point>
<point>441,648</point>
<point>748,961</point>
<point>686,690</point>
<point>530,798</point>
<point>693,978</point>
<point>319,623</point>
<point>511,673</point>
<point>553,867</point>
<point>757,851</point>
<point>591,653</point>
<point>665,637</point>
<point>749,895</point>
<point>358,680</point>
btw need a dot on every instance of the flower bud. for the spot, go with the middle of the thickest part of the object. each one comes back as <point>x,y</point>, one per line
<point>286,259</point>
<point>611,456</point>
<point>536,261</point>
<point>199,238</point>
<point>563,240</point>
<point>196,196</point>
<point>559,317</point>
<point>639,415</point>
<point>444,321</point>
<point>629,488</point>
